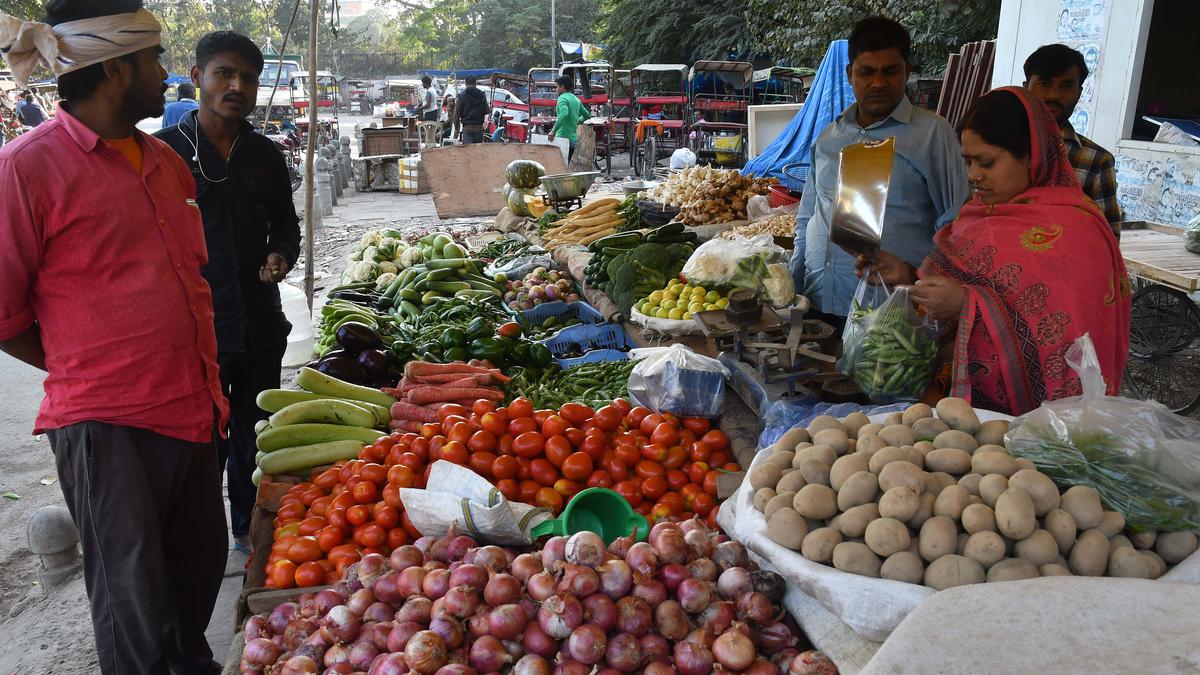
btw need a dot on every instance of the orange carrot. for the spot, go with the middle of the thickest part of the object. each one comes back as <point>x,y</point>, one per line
<point>422,368</point>
<point>407,411</point>
<point>431,394</point>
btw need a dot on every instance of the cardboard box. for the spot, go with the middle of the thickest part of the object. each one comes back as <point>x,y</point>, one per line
<point>413,180</point>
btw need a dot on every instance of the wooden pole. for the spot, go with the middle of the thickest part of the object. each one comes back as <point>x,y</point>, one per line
<point>311,151</point>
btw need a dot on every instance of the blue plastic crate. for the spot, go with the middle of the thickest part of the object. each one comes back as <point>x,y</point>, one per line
<point>565,311</point>
<point>593,356</point>
<point>589,338</point>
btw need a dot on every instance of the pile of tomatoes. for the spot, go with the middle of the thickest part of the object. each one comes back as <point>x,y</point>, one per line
<point>664,466</point>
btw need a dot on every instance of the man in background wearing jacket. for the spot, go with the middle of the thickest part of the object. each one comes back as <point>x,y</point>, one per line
<point>470,110</point>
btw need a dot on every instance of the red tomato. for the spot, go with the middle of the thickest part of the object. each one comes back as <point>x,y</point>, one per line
<point>659,513</point>
<point>408,526</point>
<point>371,536</point>
<point>676,457</point>
<point>654,487</point>
<point>482,441</point>
<point>420,448</point>
<point>482,406</point>
<point>697,425</point>
<point>528,490</point>
<point>450,409</point>
<point>617,469</point>
<point>295,510</point>
<point>493,422</point>
<point>627,454</point>
<point>540,416</point>
<point>505,466</point>
<point>674,500</point>
<point>430,429</point>
<point>710,482</point>
<point>655,452</point>
<point>696,471</point>
<point>504,445</point>
<point>327,479</point>
<point>460,432</point>
<point>608,418</point>
<point>529,444</point>
<point>359,514</point>
<point>387,517</point>
<point>481,463</point>
<point>455,452</point>
<point>337,518</point>
<point>554,426</point>
<point>509,488</point>
<point>576,413</point>
<point>718,457</point>
<point>543,472</point>
<point>305,549</point>
<point>664,433</point>
<point>391,496</point>
<point>320,507</point>
<point>558,448</point>
<point>520,407</point>
<point>397,537</point>
<point>511,329</point>
<point>731,467</point>
<point>366,492</point>
<point>411,460</point>
<point>576,436</point>
<point>312,525</point>
<point>716,440</point>
<point>635,416</point>
<point>578,466</point>
<point>283,574</point>
<point>401,476</point>
<point>548,498</point>
<point>677,479</point>
<point>521,425</point>
<point>375,473</point>
<point>600,478</point>
<point>686,438</point>
<point>647,469</point>
<point>523,472</point>
<point>630,491</point>
<point>699,452</point>
<point>594,446</point>
<point>649,423</point>
<point>435,447</point>
<point>622,405</point>
<point>567,488</point>
<point>344,553</point>
<point>330,536</point>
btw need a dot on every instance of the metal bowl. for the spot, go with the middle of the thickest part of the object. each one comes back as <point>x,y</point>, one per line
<point>564,186</point>
<point>636,186</point>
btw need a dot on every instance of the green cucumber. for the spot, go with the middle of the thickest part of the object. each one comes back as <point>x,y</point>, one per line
<point>408,309</point>
<point>274,400</point>
<point>430,297</point>
<point>478,294</point>
<point>447,263</point>
<point>619,240</point>
<point>304,434</point>
<point>297,458</point>
<point>320,383</point>
<point>324,411</point>
<point>409,295</point>
<point>449,286</point>
<point>453,250</point>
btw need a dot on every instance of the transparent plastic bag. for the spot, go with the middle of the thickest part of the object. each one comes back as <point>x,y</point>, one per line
<point>677,380</point>
<point>1191,235</point>
<point>887,348</point>
<point>1143,459</point>
<point>729,264</point>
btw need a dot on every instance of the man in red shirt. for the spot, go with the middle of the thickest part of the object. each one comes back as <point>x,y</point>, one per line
<point>101,246</point>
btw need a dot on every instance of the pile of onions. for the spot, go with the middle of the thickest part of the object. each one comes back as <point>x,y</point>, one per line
<point>448,607</point>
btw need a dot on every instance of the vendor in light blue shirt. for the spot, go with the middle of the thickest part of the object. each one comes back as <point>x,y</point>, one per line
<point>929,180</point>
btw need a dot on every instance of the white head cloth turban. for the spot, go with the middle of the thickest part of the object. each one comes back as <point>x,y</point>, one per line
<point>74,45</point>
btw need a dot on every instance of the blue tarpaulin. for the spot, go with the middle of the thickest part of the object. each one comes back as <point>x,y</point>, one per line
<point>829,96</point>
<point>172,78</point>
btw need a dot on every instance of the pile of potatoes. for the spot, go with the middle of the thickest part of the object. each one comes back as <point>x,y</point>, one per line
<point>938,500</point>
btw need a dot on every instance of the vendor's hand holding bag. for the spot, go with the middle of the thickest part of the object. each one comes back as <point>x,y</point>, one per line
<point>888,349</point>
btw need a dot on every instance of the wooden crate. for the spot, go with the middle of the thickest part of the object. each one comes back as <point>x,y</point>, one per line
<point>390,141</point>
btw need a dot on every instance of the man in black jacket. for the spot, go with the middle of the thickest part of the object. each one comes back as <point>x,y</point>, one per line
<point>470,110</point>
<point>253,237</point>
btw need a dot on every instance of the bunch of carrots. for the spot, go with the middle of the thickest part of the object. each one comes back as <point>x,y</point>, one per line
<point>426,387</point>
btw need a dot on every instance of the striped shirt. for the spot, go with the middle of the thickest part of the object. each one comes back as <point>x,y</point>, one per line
<point>1097,173</point>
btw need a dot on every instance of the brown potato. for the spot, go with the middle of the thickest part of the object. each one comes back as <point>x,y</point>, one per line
<point>978,518</point>
<point>900,502</point>
<point>1157,566</point>
<point>1024,464</point>
<point>914,412</point>
<point>1061,525</point>
<point>1012,569</point>
<point>786,528</point>
<point>939,537</point>
<point>780,501</point>
<point>987,461</point>
<point>822,453</point>
<point>961,546</point>
<point>893,454</point>
<point>1143,540</point>
<point>1015,516</point>
<point>1119,541</point>
<point>861,488</point>
<point>823,422</point>
<point>897,435</point>
<point>971,482</point>
<point>872,428</point>
<point>986,548</point>
<point>765,474</point>
<point>992,433</point>
<point>1173,547</point>
<point>1127,562</point>
<point>819,544</point>
<point>893,418</point>
<point>1111,523</point>
<point>791,481</point>
<point>853,523</point>
<point>816,502</point>
<point>1083,503</point>
<point>886,536</point>
<point>924,511</point>
<point>853,422</point>
<point>902,473</point>
<point>937,481</point>
<point>869,442</point>
<point>1038,548</point>
<point>1039,487</point>
<point>958,414</point>
<point>855,558</point>
<point>792,437</point>
<point>815,472</point>
<point>950,460</point>
<point>951,501</point>
<point>834,438</point>
<point>903,566</point>
<point>1054,570</point>
<point>991,486</point>
<point>762,496</point>
<point>781,458</point>
<point>846,466</point>
<point>955,439</point>
<point>1089,555</point>
<point>953,570</point>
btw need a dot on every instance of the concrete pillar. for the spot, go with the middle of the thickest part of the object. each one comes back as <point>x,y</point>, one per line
<point>52,536</point>
<point>335,170</point>
<point>324,188</point>
<point>344,156</point>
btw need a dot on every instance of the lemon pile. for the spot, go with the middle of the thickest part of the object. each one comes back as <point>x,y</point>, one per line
<point>680,301</point>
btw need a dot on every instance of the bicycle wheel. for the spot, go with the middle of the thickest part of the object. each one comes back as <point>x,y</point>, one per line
<point>1164,359</point>
<point>1158,320</point>
<point>651,157</point>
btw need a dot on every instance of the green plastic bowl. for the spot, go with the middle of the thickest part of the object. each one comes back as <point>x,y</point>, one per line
<point>598,510</point>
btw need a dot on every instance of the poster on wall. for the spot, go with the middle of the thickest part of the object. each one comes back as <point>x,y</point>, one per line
<point>1163,191</point>
<point>1082,19</point>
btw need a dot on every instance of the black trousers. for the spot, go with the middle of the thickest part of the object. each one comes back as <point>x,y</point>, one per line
<point>152,525</point>
<point>243,375</point>
<point>430,116</point>
<point>469,137</point>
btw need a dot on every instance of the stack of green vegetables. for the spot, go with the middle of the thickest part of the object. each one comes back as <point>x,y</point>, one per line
<point>456,338</point>
<point>631,265</point>
<point>888,352</point>
<point>503,251</point>
<point>595,384</point>
<point>631,213</point>
<point>446,273</point>
<point>339,311</point>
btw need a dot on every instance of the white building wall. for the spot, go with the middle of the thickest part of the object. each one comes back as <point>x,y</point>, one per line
<point>1157,182</point>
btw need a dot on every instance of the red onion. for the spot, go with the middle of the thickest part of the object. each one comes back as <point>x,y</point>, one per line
<point>659,668</point>
<point>450,630</point>
<point>405,557</point>
<point>326,600</point>
<point>670,620</point>
<point>568,667</point>
<point>535,641</point>
<point>598,609</point>
<point>532,664</point>
<point>541,586</point>
<point>452,546</point>
<point>491,558</point>
<point>344,588</point>
<point>454,669</point>
<point>620,546</point>
<point>783,658</point>
<point>411,580</point>
<point>461,601</point>
<point>389,664</point>
<point>734,582</point>
<point>654,647</point>
<point>634,615</point>
<point>579,580</point>
<point>652,591</point>
<point>693,659</point>
<point>399,635</point>
<point>769,584</point>
<point>694,595</point>
<point>379,611</point>
<point>691,524</point>
<point>425,652</point>
<point>530,608</point>
<point>587,644</point>
<point>585,548</point>
<point>477,625</point>
<point>514,649</point>
<point>526,565</point>
<point>616,578</point>
<point>313,650</point>
<point>376,633</point>
<point>281,616</point>
<point>671,547</point>
<point>362,654</point>
<point>702,636</point>
<point>337,654</point>
<point>672,574</point>
<point>438,608</point>
<point>459,655</point>
<point>554,551</point>
<point>734,650</point>
<point>623,653</point>
<point>773,637</point>
<point>699,542</point>
<point>469,575</point>
<point>342,623</point>
<point>359,601</point>
<point>261,652</point>
<point>299,665</point>
<point>559,615</point>
<point>718,616</point>
<point>704,569</point>
<point>507,622</point>
<point>435,584</point>
<point>814,662</point>
<point>642,558</point>
<point>659,529</point>
<point>431,565</point>
<point>756,607</point>
<point>730,554</point>
<point>488,654</point>
<point>256,627</point>
<point>762,667</point>
<point>417,608</point>
<point>502,589</point>
<point>424,544</point>
<point>367,570</point>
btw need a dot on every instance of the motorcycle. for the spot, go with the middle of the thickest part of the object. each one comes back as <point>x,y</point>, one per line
<point>288,142</point>
<point>497,131</point>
